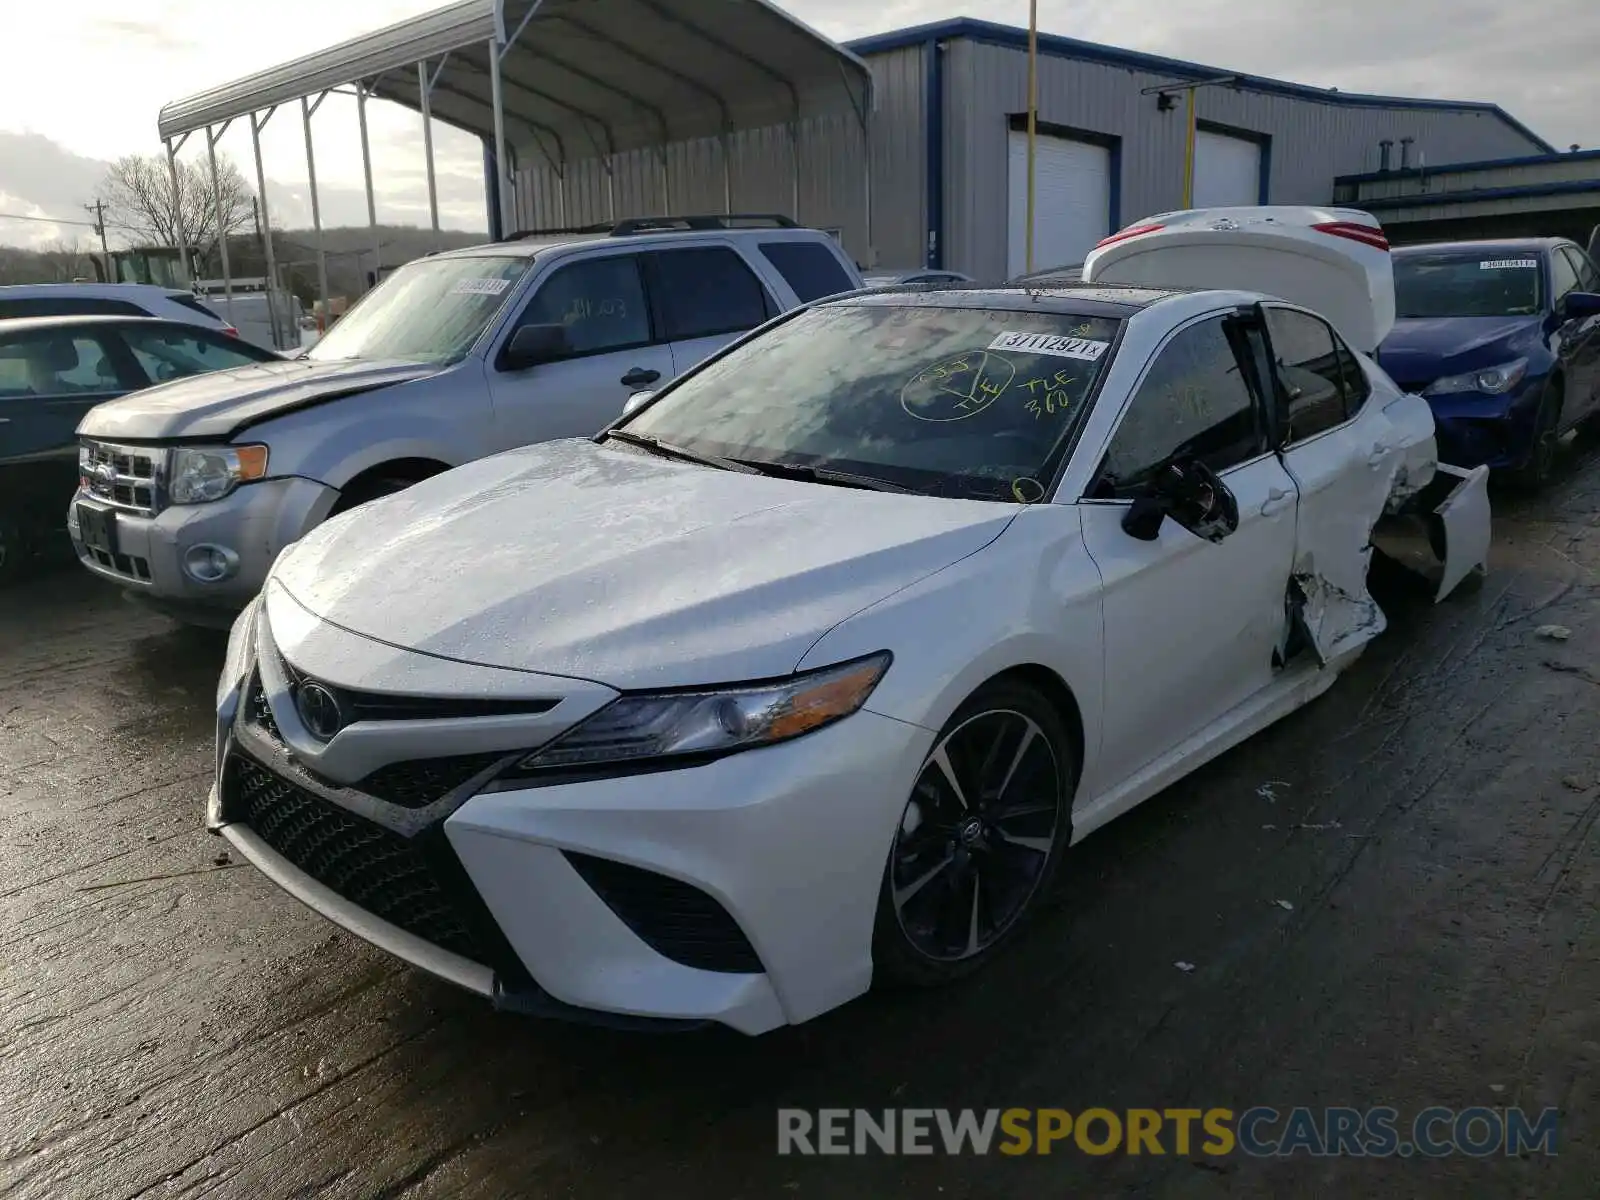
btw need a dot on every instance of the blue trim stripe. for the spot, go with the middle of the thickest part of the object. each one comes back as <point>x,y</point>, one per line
<point>1488,164</point>
<point>1571,187</point>
<point>1063,47</point>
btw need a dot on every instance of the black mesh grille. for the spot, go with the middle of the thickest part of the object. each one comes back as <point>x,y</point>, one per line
<point>414,883</point>
<point>675,919</point>
<point>420,782</point>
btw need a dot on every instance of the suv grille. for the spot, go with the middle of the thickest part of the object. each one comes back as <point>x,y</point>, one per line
<point>416,883</point>
<point>128,477</point>
<point>675,919</point>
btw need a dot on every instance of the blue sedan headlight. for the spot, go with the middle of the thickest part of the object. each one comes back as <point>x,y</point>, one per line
<point>1491,381</point>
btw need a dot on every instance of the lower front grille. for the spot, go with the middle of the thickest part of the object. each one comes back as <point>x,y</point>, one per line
<point>414,883</point>
<point>675,919</point>
<point>417,783</point>
<point>130,565</point>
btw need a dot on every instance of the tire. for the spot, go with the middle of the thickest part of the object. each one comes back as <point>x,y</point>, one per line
<point>1540,467</point>
<point>1015,766</point>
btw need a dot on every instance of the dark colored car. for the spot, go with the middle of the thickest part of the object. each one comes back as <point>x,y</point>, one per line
<point>1503,339</point>
<point>53,370</point>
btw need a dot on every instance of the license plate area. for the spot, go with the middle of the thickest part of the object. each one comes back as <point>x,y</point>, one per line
<point>97,527</point>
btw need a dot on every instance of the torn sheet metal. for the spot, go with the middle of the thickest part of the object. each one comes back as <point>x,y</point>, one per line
<point>1416,453</point>
<point>1464,517</point>
<point>1335,620</point>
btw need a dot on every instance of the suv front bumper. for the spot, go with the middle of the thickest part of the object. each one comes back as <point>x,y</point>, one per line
<point>254,523</point>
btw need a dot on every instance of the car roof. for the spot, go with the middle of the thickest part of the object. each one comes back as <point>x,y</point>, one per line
<point>1090,299</point>
<point>102,290</point>
<point>1478,247</point>
<point>27,324</point>
<point>531,244</point>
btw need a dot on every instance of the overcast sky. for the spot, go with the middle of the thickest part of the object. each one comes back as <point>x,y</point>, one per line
<point>83,81</point>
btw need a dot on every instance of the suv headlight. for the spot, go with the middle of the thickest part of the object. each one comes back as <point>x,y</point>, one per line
<point>201,474</point>
<point>1492,381</point>
<point>667,725</point>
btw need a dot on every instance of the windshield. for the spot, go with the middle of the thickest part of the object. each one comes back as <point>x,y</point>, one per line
<point>947,401</point>
<point>431,310</point>
<point>1482,284</point>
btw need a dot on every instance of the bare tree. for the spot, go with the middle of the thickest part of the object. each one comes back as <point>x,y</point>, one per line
<point>140,201</point>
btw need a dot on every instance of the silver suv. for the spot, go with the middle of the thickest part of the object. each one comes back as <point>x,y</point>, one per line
<point>189,490</point>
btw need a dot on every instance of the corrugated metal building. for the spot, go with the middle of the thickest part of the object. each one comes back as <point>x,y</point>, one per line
<point>1546,195</point>
<point>947,162</point>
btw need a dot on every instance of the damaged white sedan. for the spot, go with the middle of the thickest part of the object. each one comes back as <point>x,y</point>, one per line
<point>810,670</point>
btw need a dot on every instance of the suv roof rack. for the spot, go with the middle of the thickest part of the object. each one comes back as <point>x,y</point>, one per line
<point>634,225</point>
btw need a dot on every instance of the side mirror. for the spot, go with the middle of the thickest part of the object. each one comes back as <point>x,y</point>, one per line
<point>634,401</point>
<point>1144,516</point>
<point>1575,306</point>
<point>1190,493</point>
<point>534,345</point>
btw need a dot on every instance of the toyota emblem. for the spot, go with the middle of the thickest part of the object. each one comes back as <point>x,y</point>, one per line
<point>319,710</point>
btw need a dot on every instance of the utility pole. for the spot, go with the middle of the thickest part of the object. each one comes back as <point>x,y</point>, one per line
<point>98,208</point>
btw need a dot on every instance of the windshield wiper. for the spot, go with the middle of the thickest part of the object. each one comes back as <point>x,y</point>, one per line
<point>823,475</point>
<point>668,450</point>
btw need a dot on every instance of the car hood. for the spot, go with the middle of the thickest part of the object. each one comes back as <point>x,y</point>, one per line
<point>1422,349</point>
<point>605,563</point>
<point>220,403</point>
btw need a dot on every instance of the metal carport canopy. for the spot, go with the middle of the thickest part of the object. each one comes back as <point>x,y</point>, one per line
<point>578,78</point>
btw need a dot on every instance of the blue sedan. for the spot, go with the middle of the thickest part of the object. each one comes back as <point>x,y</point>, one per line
<point>1503,339</point>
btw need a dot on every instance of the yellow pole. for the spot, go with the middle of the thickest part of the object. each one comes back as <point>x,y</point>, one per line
<point>1188,156</point>
<point>1033,114</point>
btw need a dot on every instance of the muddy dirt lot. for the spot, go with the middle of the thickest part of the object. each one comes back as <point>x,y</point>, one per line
<point>172,1024</point>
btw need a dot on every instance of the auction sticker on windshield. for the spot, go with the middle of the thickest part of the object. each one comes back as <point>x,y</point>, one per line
<point>1044,343</point>
<point>480,287</point>
<point>1504,264</point>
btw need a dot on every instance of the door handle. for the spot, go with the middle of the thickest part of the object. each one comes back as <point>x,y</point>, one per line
<point>1277,500</point>
<point>639,377</point>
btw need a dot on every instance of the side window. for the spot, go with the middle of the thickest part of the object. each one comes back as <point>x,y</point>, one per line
<point>705,290</point>
<point>172,351</point>
<point>55,364</point>
<point>1310,374</point>
<point>1588,275</point>
<point>599,300</point>
<point>1193,401</point>
<point>69,306</point>
<point>810,268</point>
<point>1563,276</point>
<point>192,304</point>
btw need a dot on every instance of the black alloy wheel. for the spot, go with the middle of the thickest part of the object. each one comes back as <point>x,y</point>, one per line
<point>979,838</point>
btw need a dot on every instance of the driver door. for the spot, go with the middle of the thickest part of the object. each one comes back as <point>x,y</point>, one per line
<point>614,352</point>
<point>1192,627</point>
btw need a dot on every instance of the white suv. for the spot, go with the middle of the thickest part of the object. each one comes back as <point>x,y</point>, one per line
<point>189,490</point>
<point>107,300</point>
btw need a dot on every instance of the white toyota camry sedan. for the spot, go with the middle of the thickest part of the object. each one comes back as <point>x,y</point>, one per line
<point>809,671</point>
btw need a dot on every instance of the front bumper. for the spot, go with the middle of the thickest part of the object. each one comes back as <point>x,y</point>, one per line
<point>255,522</point>
<point>786,845</point>
<point>1497,432</point>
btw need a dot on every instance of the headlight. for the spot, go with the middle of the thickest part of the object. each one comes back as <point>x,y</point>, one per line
<point>204,473</point>
<point>667,725</point>
<point>1491,381</point>
<point>241,650</point>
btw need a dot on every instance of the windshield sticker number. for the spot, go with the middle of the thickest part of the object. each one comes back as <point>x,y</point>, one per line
<point>480,287</point>
<point>1086,349</point>
<point>958,387</point>
<point>1510,264</point>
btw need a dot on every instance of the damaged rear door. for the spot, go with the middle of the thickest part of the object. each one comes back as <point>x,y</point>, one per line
<point>1343,453</point>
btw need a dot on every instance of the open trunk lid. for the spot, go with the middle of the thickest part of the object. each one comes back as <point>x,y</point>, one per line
<point>1334,261</point>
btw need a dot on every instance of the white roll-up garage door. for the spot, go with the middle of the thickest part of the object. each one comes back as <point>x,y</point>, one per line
<point>1227,170</point>
<point>1071,201</point>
